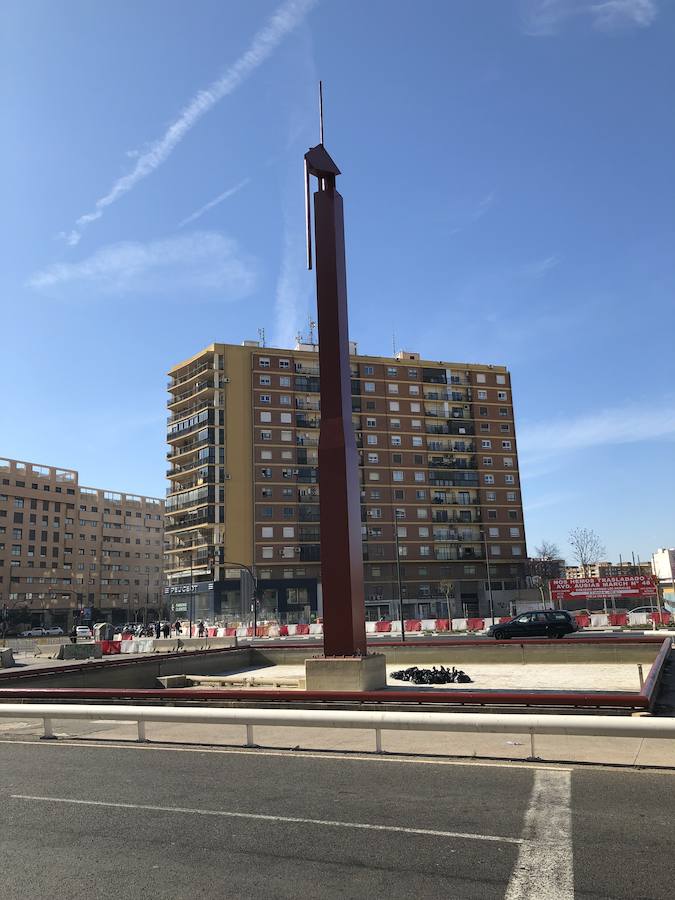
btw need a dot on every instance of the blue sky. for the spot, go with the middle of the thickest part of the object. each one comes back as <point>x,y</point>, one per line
<point>509,190</point>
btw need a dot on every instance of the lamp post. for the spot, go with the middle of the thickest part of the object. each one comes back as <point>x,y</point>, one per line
<point>398,573</point>
<point>487,569</point>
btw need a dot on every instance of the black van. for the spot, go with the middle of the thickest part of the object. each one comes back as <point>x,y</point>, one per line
<point>552,623</point>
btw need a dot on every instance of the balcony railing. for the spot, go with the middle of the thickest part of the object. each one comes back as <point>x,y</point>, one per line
<point>189,410</point>
<point>206,516</point>
<point>191,373</point>
<point>190,466</point>
<point>195,389</point>
<point>186,448</point>
<point>461,426</point>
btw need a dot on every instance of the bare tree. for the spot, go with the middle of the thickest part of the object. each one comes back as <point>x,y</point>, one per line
<point>587,548</point>
<point>547,550</point>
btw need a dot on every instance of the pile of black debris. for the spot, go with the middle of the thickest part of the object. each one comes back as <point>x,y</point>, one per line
<point>432,676</point>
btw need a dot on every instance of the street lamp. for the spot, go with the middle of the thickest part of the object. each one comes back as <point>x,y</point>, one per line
<point>397,516</point>
<point>487,569</point>
<point>254,579</point>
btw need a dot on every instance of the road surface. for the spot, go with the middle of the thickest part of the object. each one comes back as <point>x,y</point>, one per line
<point>95,820</point>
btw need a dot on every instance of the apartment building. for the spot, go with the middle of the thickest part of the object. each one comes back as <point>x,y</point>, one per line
<point>439,483</point>
<point>66,548</point>
<point>606,569</point>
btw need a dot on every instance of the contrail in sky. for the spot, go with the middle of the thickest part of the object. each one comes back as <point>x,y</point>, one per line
<point>219,199</point>
<point>283,21</point>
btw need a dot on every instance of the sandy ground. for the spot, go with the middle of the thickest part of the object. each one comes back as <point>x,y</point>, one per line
<point>585,677</point>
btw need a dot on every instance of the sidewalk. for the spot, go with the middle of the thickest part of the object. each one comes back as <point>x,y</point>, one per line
<point>616,751</point>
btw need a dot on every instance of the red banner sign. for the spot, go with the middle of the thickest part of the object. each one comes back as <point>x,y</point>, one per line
<point>631,586</point>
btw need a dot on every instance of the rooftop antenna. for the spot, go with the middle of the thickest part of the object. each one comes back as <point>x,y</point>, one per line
<point>312,326</point>
<point>321,112</point>
<point>393,344</point>
<point>261,337</point>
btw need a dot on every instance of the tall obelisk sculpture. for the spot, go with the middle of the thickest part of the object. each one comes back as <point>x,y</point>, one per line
<point>339,489</point>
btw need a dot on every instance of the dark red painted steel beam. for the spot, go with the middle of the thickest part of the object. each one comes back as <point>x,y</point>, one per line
<point>652,680</point>
<point>339,488</point>
<point>582,699</point>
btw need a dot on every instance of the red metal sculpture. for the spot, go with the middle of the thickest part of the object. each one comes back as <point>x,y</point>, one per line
<point>339,489</point>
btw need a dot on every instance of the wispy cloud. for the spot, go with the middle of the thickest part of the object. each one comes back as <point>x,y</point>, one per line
<point>293,285</point>
<point>483,206</point>
<point>204,261</point>
<point>219,199</point>
<point>284,20</point>
<point>543,18</point>
<point>540,267</point>
<point>629,424</point>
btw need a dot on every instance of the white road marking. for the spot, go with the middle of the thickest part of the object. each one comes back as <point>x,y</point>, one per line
<point>544,869</point>
<point>494,838</point>
<point>87,744</point>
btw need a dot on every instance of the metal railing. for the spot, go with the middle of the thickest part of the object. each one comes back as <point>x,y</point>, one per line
<point>376,721</point>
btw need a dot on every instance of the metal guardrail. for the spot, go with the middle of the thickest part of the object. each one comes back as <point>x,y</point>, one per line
<point>481,723</point>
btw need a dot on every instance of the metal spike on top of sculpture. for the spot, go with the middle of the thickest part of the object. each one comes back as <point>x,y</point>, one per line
<point>339,488</point>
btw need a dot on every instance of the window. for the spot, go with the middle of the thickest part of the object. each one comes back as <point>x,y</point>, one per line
<point>375,572</point>
<point>493,532</point>
<point>419,476</point>
<point>487,460</point>
<point>501,395</point>
<point>412,373</point>
<point>484,426</point>
<point>511,496</point>
<point>415,423</point>
<point>482,410</point>
<point>368,370</point>
<point>265,416</point>
<point>415,407</point>
<point>504,427</point>
<point>509,479</point>
<point>423,531</point>
<point>266,455</point>
<point>18,502</point>
<point>375,512</point>
<point>265,473</point>
<point>469,570</point>
<point>417,441</point>
<point>286,435</point>
<point>516,551</point>
<point>285,418</point>
<point>284,363</point>
<point>513,515</point>
<point>266,491</point>
<point>265,435</point>
<point>482,395</point>
<point>425,550</point>
<point>402,551</point>
<point>284,381</point>
<point>402,531</point>
<point>495,550</point>
<point>374,458</point>
<point>491,496</point>
<point>395,440</point>
<point>503,411</point>
<point>394,405</point>
<point>371,423</point>
<point>375,495</point>
<point>267,552</point>
<point>288,531</point>
<point>373,476</point>
<point>371,439</point>
<point>285,399</point>
<point>397,475</point>
<point>392,388</point>
<point>397,458</point>
<point>265,398</point>
<point>421,512</point>
<point>489,479</point>
<point>264,362</point>
<point>369,387</point>
<point>265,380</point>
<point>508,462</point>
<point>506,445</point>
<point>514,532</point>
<point>267,531</point>
<point>486,444</point>
<point>500,379</point>
<point>414,390</point>
<point>395,423</point>
<point>420,495</point>
<point>492,513</point>
<point>480,378</point>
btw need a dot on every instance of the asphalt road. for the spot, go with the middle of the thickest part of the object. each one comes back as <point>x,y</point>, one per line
<point>101,821</point>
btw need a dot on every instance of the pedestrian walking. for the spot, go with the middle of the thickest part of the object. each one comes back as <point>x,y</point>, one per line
<point>200,629</point>
<point>73,635</point>
<point>166,630</point>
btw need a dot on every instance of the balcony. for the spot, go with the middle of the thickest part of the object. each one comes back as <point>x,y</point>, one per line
<point>307,369</point>
<point>306,384</point>
<point>302,403</point>
<point>205,403</point>
<point>302,421</point>
<point>202,462</point>
<point>309,513</point>
<point>306,440</point>
<point>434,376</point>
<point>309,535</point>
<point>192,520</point>
<point>188,426</point>
<point>463,426</point>
<point>310,553</point>
<point>189,447</point>
<point>177,488</point>
<point>197,388</point>
<point>191,373</point>
<point>199,497</point>
<point>307,476</point>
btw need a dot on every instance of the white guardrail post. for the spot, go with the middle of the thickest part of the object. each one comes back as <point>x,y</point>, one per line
<point>378,721</point>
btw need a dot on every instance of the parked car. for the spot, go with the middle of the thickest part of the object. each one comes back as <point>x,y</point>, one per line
<point>551,623</point>
<point>643,609</point>
<point>34,632</point>
<point>55,631</point>
<point>83,631</point>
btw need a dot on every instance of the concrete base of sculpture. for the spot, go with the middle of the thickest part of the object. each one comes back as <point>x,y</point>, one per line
<point>346,673</point>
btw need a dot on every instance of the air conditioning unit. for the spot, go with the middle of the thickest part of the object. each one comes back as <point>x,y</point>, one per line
<point>224,380</point>
<point>227,476</point>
